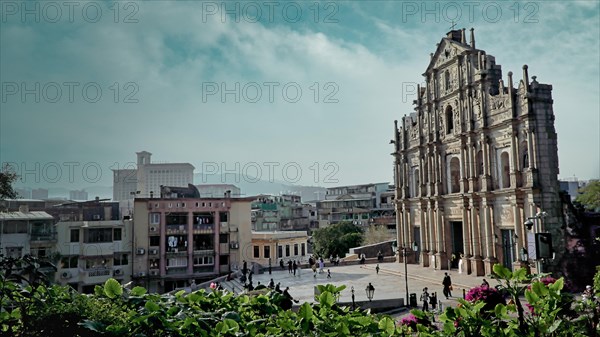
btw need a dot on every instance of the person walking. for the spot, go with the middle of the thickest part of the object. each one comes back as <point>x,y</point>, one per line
<point>314,268</point>
<point>485,283</point>
<point>425,299</point>
<point>377,269</point>
<point>328,273</point>
<point>281,264</point>
<point>294,267</point>
<point>290,267</point>
<point>447,283</point>
<point>321,265</point>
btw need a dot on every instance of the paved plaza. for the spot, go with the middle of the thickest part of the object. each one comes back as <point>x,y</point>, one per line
<point>389,283</point>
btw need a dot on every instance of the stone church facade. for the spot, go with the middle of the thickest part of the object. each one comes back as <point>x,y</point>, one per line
<point>474,162</point>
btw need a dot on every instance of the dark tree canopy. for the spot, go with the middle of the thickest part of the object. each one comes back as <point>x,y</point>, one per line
<point>589,196</point>
<point>7,178</point>
<point>337,239</point>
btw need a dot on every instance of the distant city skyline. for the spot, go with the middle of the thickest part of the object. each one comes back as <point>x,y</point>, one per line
<point>82,93</point>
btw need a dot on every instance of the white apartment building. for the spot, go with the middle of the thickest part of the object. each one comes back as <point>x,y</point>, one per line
<point>145,180</point>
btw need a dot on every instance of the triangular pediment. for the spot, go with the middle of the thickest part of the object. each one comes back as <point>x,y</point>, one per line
<point>446,51</point>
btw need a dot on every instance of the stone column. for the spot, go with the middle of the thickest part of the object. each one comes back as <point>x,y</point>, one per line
<point>490,241</point>
<point>476,260</point>
<point>441,255</point>
<point>530,153</point>
<point>466,237</point>
<point>533,155</point>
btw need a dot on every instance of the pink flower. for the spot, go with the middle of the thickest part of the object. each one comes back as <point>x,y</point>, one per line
<point>490,296</point>
<point>213,286</point>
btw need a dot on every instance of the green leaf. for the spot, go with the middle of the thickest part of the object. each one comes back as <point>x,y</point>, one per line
<point>362,320</point>
<point>151,306</point>
<point>232,326</point>
<point>306,315</point>
<point>387,325</point>
<point>502,272</point>
<point>93,325</point>
<point>112,288</point>
<point>138,291</point>
<point>554,326</point>
<point>326,299</point>
<point>520,274</point>
<point>558,285</point>
<point>539,289</point>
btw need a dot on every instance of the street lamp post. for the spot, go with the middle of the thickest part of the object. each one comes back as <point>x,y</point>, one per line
<point>405,250</point>
<point>370,290</point>
<point>532,224</point>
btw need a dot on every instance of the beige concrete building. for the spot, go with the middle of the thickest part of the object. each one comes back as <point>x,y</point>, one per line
<point>474,162</point>
<point>27,233</point>
<point>94,245</point>
<point>178,240</point>
<point>277,245</point>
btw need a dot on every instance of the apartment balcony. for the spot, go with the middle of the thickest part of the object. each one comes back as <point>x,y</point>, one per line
<point>96,276</point>
<point>178,270</point>
<point>177,253</point>
<point>204,229</point>
<point>205,252</point>
<point>43,237</point>
<point>176,229</point>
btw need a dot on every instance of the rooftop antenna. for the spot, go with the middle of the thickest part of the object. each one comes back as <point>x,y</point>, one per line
<point>453,25</point>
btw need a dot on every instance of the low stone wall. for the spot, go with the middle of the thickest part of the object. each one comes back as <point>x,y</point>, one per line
<point>374,305</point>
<point>372,250</point>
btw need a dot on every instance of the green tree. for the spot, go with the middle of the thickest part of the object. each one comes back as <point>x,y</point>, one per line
<point>337,239</point>
<point>7,178</point>
<point>589,196</point>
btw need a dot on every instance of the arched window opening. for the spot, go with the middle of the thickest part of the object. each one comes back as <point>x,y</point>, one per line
<point>449,120</point>
<point>447,80</point>
<point>454,175</point>
<point>504,160</point>
<point>417,180</point>
<point>525,152</point>
<point>480,163</point>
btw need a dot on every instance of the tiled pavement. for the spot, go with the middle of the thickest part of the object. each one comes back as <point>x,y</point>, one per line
<point>389,283</point>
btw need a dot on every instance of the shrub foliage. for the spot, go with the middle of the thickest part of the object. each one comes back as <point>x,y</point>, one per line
<point>32,307</point>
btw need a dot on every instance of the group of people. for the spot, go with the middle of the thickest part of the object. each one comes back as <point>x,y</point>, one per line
<point>432,299</point>
<point>429,299</point>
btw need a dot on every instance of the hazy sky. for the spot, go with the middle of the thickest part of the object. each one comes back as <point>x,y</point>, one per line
<point>305,91</point>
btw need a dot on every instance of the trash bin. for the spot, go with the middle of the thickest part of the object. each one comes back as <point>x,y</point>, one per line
<point>413,300</point>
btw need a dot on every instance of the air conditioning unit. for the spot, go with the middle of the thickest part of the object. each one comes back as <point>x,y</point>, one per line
<point>153,229</point>
<point>154,273</point>
<point>153,252</point>
<point>96,216</point>
<point>141,274</point>
<point>141,251</point>
<point>66,274</point>
<point>118,272</point>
